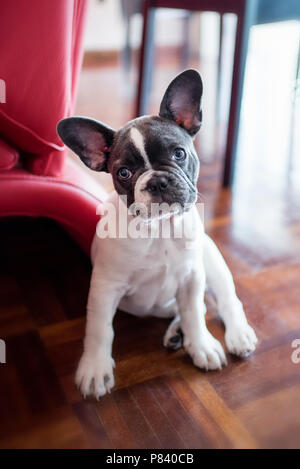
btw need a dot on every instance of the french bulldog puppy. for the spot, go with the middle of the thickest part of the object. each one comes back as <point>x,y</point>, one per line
<point>152,160</point>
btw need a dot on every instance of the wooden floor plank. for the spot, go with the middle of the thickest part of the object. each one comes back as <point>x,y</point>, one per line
<point>192,434</point>
<point>231,426</point>
<point>137,423</point>
<point>117,430</point>
<point>36,375</point>
<point>157,418</point>
<point>193,406</point>
<point>91,425</point>
<point>274,418</point>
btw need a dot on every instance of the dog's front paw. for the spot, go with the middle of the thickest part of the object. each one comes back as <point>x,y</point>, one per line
<point>207,353</point>
<point>240,339</point>
<point>94,375</point>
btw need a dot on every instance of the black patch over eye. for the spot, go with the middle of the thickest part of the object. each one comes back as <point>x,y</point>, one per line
<point>124,174</point>
<point>179,154</point>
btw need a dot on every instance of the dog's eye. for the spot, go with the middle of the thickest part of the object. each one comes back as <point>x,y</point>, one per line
<point>179,154</point>
<point>124,174</point>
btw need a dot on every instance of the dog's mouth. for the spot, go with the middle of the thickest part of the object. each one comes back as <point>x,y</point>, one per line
<point>155,211</point>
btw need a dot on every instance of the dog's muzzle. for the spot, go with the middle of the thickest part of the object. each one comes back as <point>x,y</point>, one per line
<point>167,189</point>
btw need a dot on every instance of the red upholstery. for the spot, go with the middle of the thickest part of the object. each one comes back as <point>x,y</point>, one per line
<point>9,157</point>
<point>40,65</point>
<point>71,199</point>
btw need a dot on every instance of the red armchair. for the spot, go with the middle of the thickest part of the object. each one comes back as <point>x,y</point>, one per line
<point>40,59</point>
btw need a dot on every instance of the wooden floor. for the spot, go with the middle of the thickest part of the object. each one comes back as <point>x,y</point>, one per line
<point>160,400</point>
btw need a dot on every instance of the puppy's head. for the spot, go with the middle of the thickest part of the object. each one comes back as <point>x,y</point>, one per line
<point>151,159</point>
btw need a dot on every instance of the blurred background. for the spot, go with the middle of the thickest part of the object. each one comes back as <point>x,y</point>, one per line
<point>270,115</point>
<point>267,169</point>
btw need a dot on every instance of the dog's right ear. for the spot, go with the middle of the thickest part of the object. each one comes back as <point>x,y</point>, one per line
<point>89,139</point>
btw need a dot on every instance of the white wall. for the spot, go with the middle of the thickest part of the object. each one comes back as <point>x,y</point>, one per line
<point>105,28</point>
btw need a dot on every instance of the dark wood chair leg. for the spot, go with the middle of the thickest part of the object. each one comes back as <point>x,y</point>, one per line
<point>145,60</point>
<point>219,71</point>
<point>246,18</point>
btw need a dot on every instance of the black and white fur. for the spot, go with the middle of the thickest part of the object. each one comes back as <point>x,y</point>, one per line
<point>155,276</point>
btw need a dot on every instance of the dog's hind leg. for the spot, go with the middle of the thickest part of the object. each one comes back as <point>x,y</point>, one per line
<point>173,338</point>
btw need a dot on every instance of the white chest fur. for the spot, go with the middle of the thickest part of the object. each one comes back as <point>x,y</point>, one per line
<point>151,269</point>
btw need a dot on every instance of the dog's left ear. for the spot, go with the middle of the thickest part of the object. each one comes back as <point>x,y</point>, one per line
<point>90,139</point>
<point>182,101</point>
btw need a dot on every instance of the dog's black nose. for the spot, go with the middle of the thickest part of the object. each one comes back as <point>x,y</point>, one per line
<point>157,184</point>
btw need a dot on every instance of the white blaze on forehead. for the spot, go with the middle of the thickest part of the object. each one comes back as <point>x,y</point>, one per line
<point>138,141</point>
